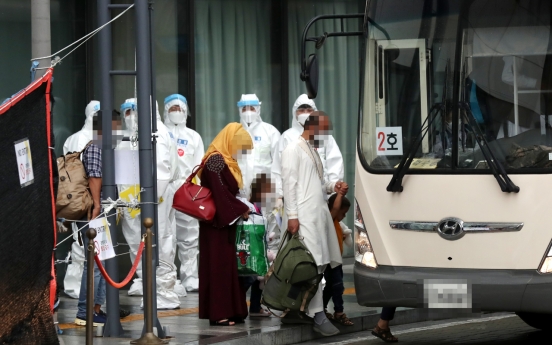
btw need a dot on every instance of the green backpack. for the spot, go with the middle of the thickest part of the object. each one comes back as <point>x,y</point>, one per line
<point>293,278</point>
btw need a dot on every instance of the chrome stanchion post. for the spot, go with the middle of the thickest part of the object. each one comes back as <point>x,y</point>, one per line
<point>91,234</point>
<point>149,337</point>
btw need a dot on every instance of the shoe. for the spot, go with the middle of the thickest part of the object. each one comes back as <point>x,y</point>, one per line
<point>99,320</point>
<point>295,317</point>
<point>122,313</point>
<point>325,328</point>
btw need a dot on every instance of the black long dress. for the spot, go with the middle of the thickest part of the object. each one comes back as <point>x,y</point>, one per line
<point>220,293</point>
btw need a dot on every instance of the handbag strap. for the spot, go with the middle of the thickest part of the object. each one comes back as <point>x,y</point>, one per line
<point>198,167</point>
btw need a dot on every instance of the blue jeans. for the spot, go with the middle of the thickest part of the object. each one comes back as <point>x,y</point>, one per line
<point>99,281</point>
<point>334,288</point>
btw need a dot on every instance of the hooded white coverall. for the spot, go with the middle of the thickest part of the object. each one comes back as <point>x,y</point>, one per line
<point>265,150</point>
<point>75,143</point>
<point>265,144</point>
<point>167,174</point>
<point>331,157</point>
<point>190,151</point>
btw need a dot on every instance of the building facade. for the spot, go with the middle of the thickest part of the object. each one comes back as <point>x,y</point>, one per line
<point>211,51</point>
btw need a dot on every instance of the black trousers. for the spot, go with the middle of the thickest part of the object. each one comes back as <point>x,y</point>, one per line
<point>387,313</point>
<point>334,287</point>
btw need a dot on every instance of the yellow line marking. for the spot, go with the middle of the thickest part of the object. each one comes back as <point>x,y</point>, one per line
<point>168,313</point>
<point>349,291</point>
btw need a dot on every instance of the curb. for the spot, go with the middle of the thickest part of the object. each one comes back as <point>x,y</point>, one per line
<point>293,334</point>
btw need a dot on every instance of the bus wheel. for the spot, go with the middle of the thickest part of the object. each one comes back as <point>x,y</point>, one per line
<point>537,320</point>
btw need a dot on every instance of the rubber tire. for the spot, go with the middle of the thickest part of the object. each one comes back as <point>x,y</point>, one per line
<point>537,320</point>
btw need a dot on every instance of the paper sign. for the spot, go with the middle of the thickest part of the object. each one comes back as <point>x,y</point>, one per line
<point>389,141</point>
<point>102,242</point>
<point>423,163</point>
<point>24,162</point>
<point>127,167</point>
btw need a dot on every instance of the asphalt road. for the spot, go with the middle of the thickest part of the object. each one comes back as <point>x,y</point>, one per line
<point>496,329</point>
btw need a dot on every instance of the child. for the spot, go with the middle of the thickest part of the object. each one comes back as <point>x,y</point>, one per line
<point>339,206</point>
<point>260,189</point>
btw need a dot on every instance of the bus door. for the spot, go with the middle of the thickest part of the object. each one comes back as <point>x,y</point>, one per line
<point>401,77</point>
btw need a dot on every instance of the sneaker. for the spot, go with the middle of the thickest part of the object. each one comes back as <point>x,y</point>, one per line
<point>98,320</point>
<point>325,328</point>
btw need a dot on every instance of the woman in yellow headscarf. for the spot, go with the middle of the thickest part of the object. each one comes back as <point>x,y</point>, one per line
<point>221,299</point>
<point>232,141</point>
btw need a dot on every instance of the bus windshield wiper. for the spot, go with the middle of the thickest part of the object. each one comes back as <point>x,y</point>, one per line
<point>395,185</point>
<point>498,171</point>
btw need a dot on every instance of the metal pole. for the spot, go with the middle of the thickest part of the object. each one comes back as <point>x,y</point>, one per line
<point>160,330</point>
<point>112,327</point>
<point>147,165</point>
<point>41,41</point>
<point>148,337</point>
<point>91,234</point>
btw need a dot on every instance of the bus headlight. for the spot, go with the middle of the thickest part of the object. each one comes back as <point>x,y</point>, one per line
<point>363,248</point>
<point>546,263</point>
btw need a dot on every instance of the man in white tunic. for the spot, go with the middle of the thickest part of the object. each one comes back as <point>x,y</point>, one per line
<point>306,211</point>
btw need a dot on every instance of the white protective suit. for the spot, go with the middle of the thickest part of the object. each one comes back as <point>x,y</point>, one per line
<point>265,144</point>
<point>74,143</point>
<point>167,174</point>
<point>190,151</point>
<point>331,157</point>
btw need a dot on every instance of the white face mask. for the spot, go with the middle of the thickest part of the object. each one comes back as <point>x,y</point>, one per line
<point>131,124</point>
<point>301,118</point>
<point>320,140</point>
<point>177,117</point>
<point>248,116</point>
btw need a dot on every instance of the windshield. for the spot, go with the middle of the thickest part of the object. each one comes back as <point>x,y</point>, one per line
<point>490,60</point>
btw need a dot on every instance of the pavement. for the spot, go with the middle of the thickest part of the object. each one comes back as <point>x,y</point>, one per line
<point>495,328</point>
<point>184,327</point>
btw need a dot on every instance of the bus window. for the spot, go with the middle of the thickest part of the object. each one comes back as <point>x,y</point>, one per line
<point>493,57</point>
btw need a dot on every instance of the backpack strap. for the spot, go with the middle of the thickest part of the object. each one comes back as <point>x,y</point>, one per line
<point>84,149</point>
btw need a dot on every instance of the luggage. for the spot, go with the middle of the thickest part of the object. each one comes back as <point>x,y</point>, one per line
<point>293,278</point>
<point>73,200</point>
<point>251,246</point>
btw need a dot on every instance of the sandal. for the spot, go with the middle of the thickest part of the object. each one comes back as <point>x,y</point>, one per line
<point>328,315</point>
<point>343,319</point>
<point>384,334</point>
<point>224,322</point>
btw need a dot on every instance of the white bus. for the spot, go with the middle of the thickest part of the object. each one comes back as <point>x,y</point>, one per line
<point>453,184</point>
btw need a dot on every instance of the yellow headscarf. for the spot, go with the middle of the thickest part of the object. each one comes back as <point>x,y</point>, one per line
<point>230,140</point>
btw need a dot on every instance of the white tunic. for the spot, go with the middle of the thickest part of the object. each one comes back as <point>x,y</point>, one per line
<point>304,188</point>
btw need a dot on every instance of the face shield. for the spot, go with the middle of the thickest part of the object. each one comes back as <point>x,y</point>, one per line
<point>176,109</point>
<point>130,116</point>
<point>249,108</point>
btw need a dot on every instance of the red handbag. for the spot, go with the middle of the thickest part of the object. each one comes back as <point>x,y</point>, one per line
<point>193,200</point>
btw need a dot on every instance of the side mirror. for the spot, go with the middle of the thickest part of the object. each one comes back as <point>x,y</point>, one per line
<point>311,77</point>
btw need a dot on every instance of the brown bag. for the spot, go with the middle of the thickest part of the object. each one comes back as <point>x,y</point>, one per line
<point>73,200</point>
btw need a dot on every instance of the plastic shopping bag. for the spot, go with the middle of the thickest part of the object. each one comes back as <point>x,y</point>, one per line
<point>251,246</point>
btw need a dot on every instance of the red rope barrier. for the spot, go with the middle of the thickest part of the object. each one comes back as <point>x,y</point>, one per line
<point>130,274</point>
